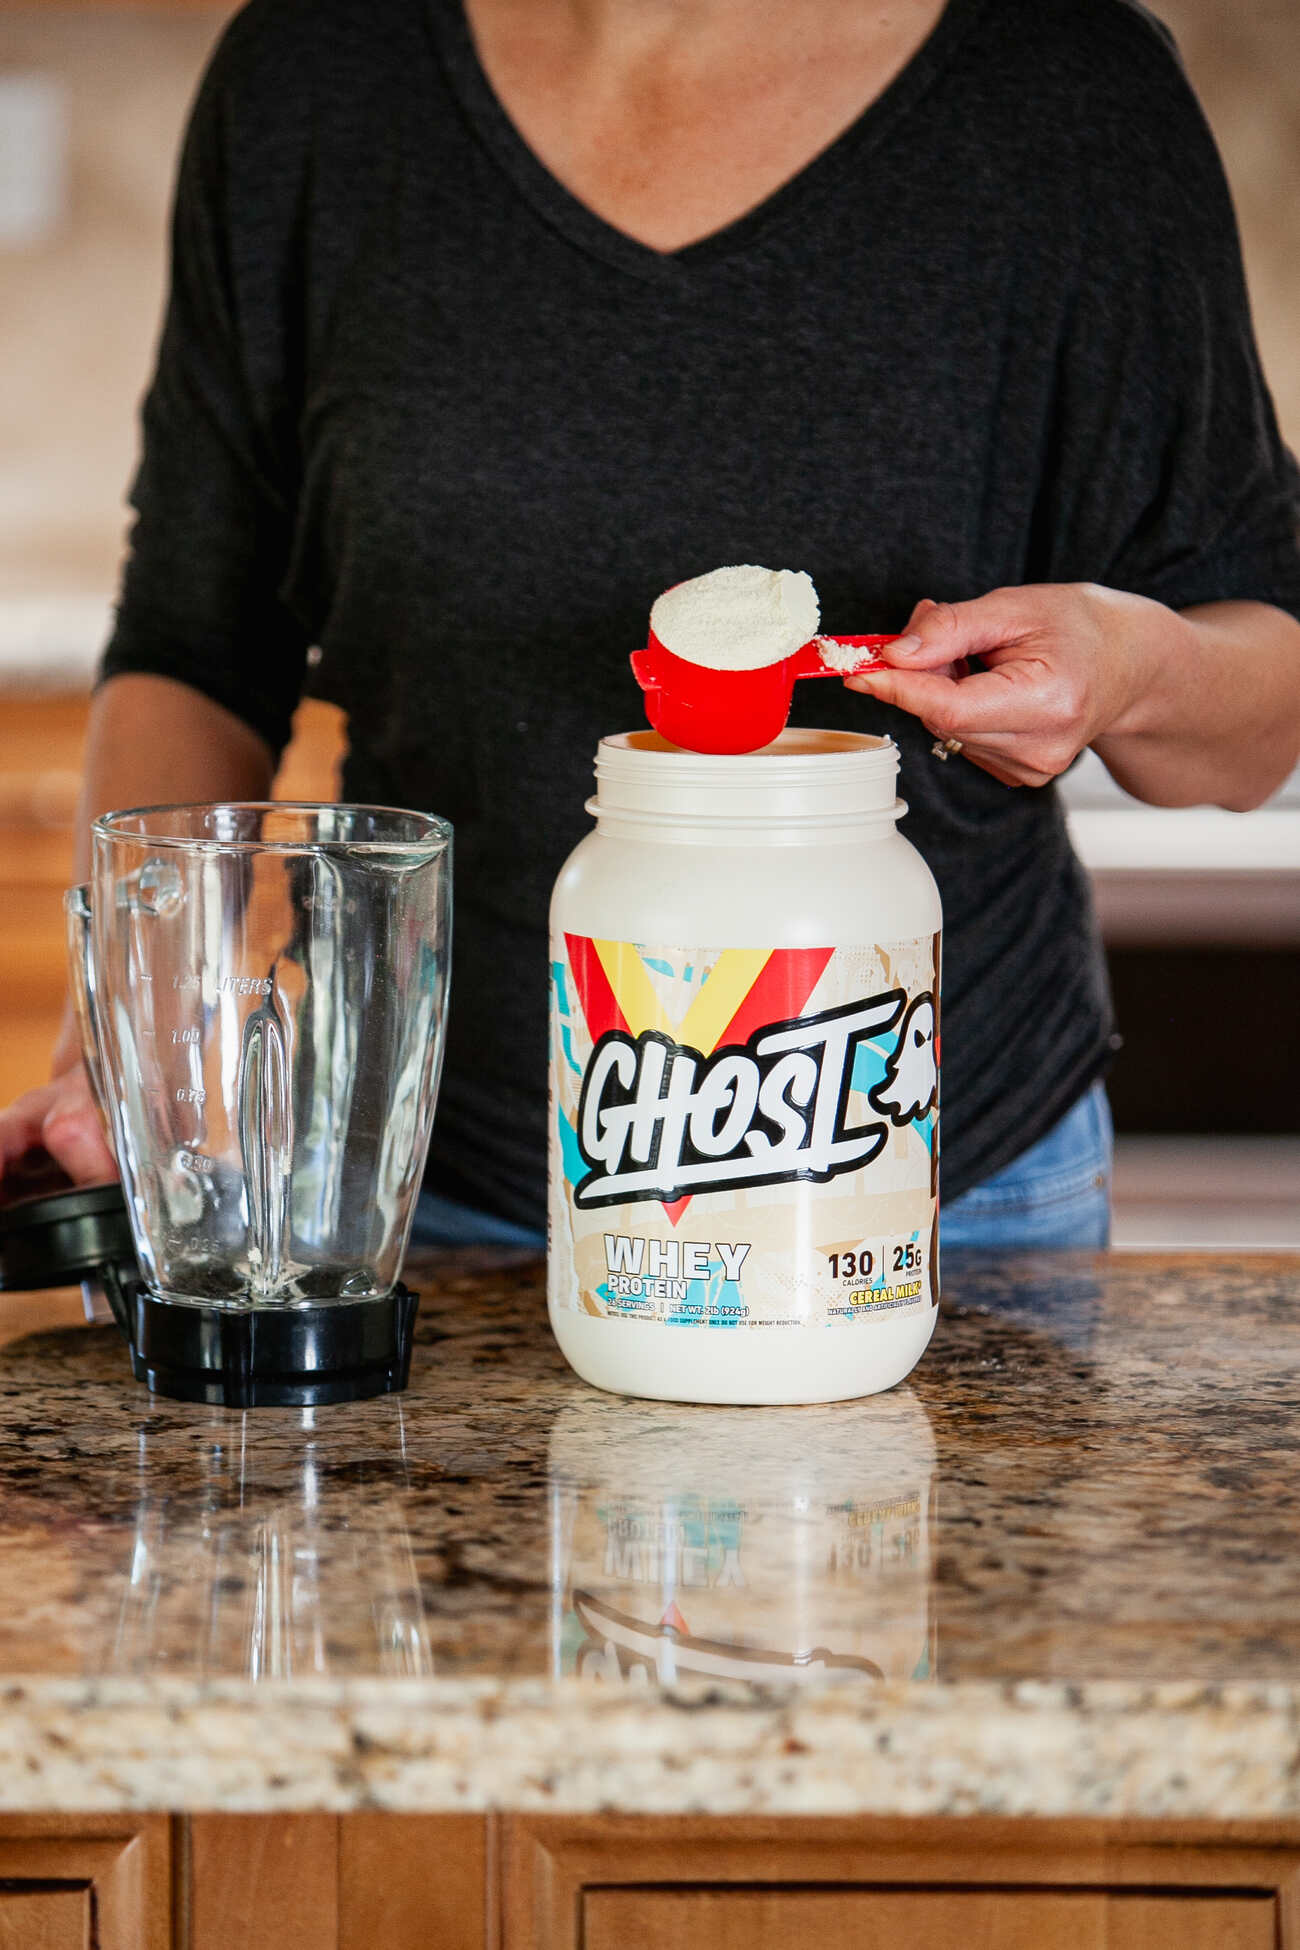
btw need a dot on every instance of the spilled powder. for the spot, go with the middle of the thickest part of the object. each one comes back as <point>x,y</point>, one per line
<point>846,657</point>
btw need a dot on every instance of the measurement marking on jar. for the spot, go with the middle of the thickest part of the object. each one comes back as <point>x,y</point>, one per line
<point>187,982</point>
<point>195,1161</point>
<point>246,985</point>
<point>188,1036</point>
<point>191,1096</point>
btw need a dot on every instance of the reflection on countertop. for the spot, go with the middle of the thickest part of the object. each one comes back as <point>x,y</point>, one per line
<point>1057,1571</point>
<point>231,1576</point>
<point>780,1548</point>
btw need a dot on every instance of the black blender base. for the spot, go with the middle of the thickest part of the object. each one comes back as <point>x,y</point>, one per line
<point>282,1357</point>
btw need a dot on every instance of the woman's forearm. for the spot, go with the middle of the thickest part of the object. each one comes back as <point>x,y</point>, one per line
<point>1218,718</point>
<point>150,741</point>
<point>1192,707</point>
<point>153,742</point>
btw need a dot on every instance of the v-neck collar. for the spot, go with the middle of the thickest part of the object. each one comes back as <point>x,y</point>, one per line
<point>568,214</point>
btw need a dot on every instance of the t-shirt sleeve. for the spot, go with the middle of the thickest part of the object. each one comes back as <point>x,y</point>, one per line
<point>1172,479</point>
<point>214,495</point>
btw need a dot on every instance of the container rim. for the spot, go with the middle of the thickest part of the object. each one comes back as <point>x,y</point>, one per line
<point>670,820</point>
<point>795,746</point>
<point>115,826</point>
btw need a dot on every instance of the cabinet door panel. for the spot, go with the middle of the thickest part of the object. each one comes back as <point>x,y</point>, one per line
<point>1193,1922</point>
<point>413,1882</point>
<point>74,1880</point>
<point>923,1919</point>
<point>45,1919</point>
<point>264,1880</point>
<point>845,1919</point>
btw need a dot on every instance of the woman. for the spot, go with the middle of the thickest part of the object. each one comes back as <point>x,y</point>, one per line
<point>486,326</point>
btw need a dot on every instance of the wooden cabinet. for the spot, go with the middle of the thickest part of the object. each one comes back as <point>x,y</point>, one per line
<point>883,1884</point>
<point>53,1919</point>
<point>40,776</point>
<point>930,1919</point>
<point>86,1882</point>
<point>417,1879</point>
<point>40,772</point>
<point>478,1882</point>
<point>323,1882</point>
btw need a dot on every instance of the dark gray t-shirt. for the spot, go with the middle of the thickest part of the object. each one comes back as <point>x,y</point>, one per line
<point>419,407</point>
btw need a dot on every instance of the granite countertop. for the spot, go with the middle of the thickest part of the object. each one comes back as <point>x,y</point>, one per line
<point>1055,1573</point>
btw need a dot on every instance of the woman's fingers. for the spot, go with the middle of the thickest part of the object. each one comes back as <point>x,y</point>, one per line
<point>1003,765</point>
<point>1030,705</point>
<point>1024,697</point>
<point>1010,728</point>
<point>943,633</point>
<point>20,1128</point>
<point>60,1118</point>
<point>74,1136</point>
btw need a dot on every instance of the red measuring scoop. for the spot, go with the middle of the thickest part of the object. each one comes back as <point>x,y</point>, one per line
<point>706,710</point>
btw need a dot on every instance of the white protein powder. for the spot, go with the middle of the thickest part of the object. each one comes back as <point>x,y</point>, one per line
<point>740,618</point>
<point>845,657</point>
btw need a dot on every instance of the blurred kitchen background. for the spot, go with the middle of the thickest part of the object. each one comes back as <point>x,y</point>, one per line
<point>1201,908</point>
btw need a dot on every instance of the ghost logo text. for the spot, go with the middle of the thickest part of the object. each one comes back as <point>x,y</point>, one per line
<point>658,1120</point>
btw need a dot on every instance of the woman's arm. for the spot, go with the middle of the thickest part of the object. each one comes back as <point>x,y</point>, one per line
<point>150,741</point>
<point>1184,707</point>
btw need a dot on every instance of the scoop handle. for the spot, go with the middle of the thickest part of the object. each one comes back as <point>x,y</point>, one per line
<point>809,662</point>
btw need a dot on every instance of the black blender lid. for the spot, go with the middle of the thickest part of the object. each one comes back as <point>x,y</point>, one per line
<point>60,1238</point>
<point>232,1357</point>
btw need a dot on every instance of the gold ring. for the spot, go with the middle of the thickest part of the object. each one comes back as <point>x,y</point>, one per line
<point>945,747</point>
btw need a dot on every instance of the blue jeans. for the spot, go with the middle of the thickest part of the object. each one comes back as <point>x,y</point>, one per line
<point>1056,1194</point>
<point>443,1221</point>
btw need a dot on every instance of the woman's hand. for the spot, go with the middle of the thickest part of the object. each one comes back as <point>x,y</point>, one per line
<point>58,1118</point>
<point>1184,707</point>
<point>1059,662</point>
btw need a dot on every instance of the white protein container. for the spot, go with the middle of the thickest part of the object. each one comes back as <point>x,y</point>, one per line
<point>744,1084</point>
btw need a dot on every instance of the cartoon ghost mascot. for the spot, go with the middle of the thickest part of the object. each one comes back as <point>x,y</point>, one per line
<point>908,1087</point>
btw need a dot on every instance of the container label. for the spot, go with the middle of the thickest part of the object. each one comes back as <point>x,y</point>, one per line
<point>744,1137</point>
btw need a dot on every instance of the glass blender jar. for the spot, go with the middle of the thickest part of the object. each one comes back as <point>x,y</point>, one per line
<point>262,993</point>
